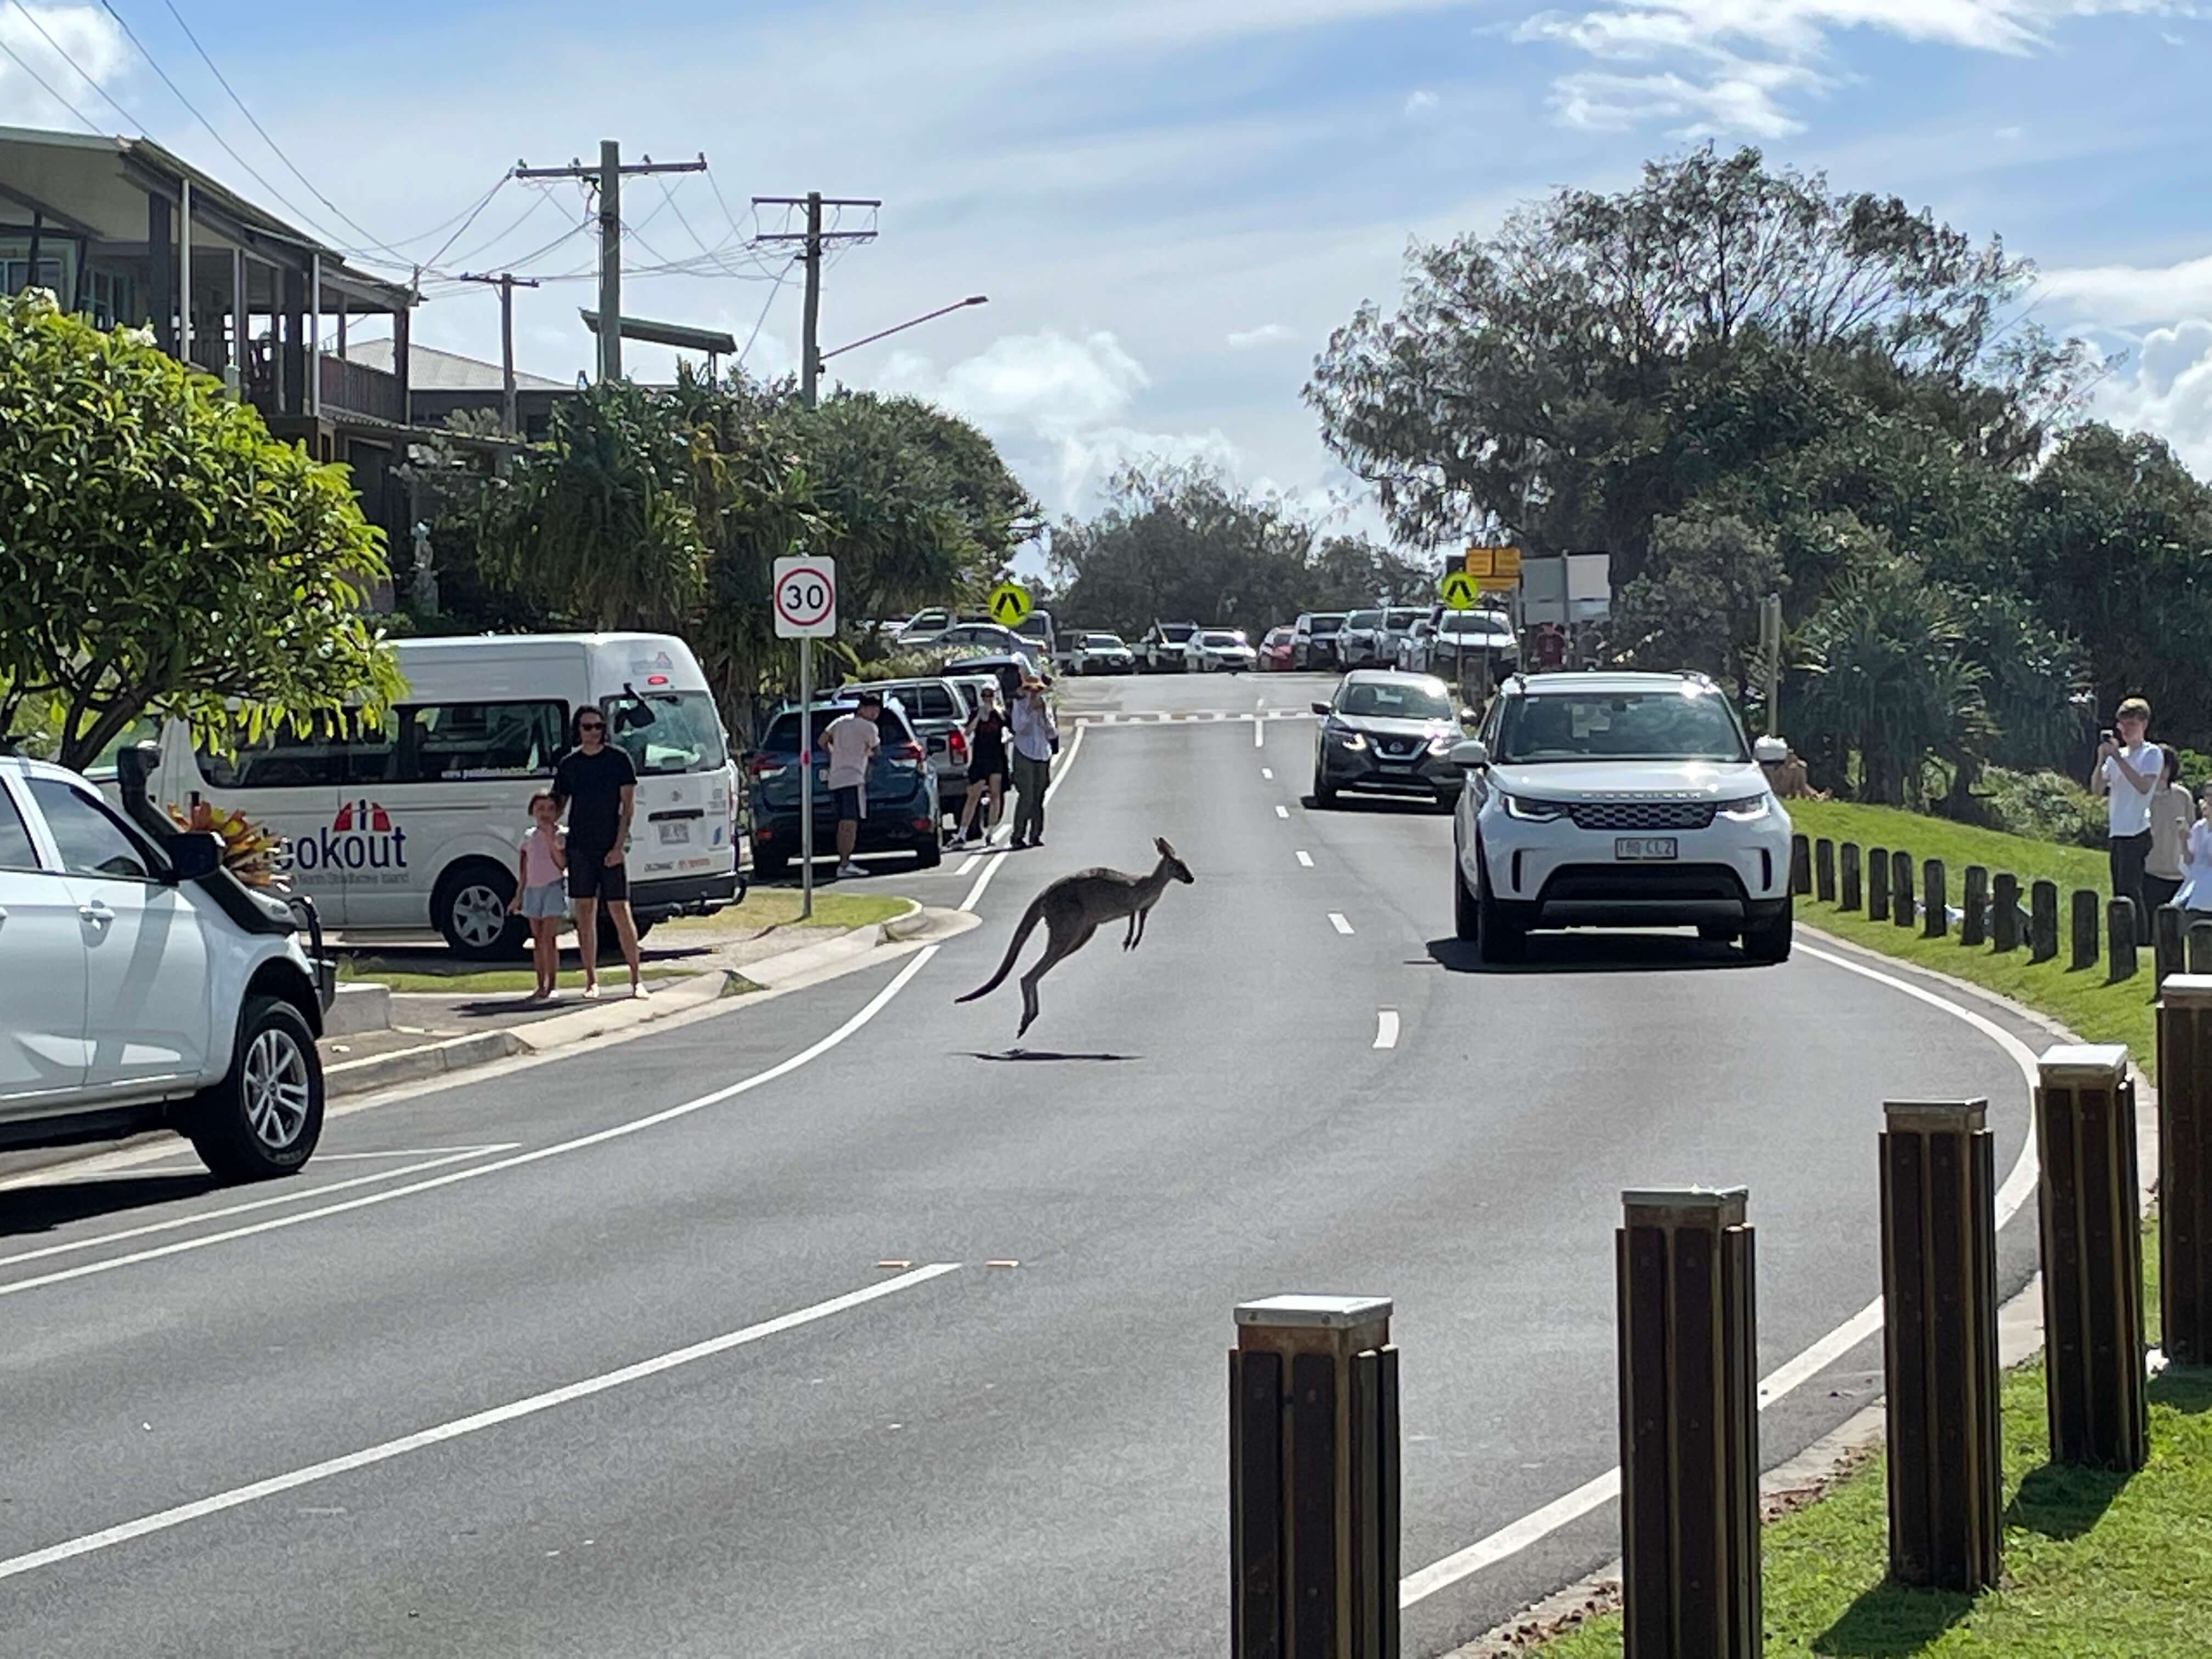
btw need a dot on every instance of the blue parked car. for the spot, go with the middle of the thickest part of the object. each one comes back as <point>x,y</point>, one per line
<point>902,793</point>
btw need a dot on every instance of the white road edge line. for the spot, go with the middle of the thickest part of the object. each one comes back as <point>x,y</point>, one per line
<point>303,1195</point>
<point>1386,1028</point>
<point>1059,777</point>
<point>968,864</point>
<point>237,1496</point>
<point>783,1067</point>
<point>1537,1525</point>
<point>1305,860</point>
<point>1336,920</point>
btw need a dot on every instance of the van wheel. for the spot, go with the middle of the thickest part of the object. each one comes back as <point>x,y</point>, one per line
<point>265,1117</point>
<point>469,907</point>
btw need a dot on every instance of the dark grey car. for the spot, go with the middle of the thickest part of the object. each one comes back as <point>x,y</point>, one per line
<point>1389,734</point>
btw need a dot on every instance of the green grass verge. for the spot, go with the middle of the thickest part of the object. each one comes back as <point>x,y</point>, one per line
<point>2119,1567</point>
<point>2083,1000</point>
<point>422,974</point>
<point>778,907</point>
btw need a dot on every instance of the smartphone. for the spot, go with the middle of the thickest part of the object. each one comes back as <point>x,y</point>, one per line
<point>2108,737</point>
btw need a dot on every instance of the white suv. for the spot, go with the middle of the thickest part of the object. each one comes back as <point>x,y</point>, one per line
<point>1625,800</point>
<point>143,986</point>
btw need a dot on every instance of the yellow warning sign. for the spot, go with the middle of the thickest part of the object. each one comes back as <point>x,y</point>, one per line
<point>1459,590</point>
<point>1506,562</point>
<point>1479,561</point>
<point>1010,602</point>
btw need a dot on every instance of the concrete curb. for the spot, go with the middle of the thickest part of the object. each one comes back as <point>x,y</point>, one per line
<point>593,1020</point>
<point>1806,1478</point>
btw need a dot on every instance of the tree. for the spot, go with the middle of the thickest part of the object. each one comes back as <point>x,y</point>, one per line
<point>1604,361</point>
<point>160,554</point>
<point>1696,606</point>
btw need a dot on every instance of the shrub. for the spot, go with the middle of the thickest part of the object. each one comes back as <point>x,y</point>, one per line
<point>2043,805</point>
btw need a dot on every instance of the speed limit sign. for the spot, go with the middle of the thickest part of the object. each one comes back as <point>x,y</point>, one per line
<point>805,599</point>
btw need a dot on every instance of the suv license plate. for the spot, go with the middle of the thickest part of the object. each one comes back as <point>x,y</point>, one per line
<point>1644,847</point>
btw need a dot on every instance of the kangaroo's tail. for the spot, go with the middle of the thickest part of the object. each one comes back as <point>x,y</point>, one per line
<point>1031,917</point>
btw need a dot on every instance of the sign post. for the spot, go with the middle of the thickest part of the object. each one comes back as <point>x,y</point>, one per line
<point>806,610</point>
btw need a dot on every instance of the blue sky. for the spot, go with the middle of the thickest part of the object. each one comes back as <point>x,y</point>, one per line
<point>1170,202</point>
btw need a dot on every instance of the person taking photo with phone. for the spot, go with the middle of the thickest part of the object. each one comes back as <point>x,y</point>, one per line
<point>2128,772</point>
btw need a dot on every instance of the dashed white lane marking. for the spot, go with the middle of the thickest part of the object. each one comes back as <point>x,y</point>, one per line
<point>1282,812</point>
<point>1540,1523</point>
<point>1386,1028</point>
<point>1305,858</point>
<point>298,1195</point>
<point>968,864</point>
<point>1268,773</point>
<point>1259,734</point>
<point>1337,921</point>
<point>237,1496</point>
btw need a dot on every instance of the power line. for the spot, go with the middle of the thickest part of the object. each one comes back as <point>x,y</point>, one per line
<point>457,230</point>
<point>90,125</point>
<point>275,149</point>
<point>765,304</point>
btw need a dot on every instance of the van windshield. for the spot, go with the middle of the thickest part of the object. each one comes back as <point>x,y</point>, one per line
<point>668,732</point>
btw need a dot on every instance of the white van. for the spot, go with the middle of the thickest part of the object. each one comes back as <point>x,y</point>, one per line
<point>416,825</point>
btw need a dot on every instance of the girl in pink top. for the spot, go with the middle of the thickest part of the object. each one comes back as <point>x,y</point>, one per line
<point>541,892</point>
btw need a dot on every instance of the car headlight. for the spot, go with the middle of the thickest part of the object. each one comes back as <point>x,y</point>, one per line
<point>1749,810</point>
<point>1352,740</point>
<point>1440,745</point>
<point>1534,811</point>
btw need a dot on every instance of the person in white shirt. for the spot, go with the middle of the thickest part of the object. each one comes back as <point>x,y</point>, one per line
<point>1036,734</point>
<point>2195,893</point>
<point>2127,775</point>
<point>851,741</point>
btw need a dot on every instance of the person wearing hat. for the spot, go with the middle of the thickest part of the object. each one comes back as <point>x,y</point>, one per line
<point>2128,773</point>
<point>1035,735</point>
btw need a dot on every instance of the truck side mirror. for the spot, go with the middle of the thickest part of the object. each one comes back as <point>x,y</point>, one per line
<point>195,855</point>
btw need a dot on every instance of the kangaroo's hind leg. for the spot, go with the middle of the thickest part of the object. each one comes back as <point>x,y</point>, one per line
<point>1129,939</point>
<point>1060,945</point>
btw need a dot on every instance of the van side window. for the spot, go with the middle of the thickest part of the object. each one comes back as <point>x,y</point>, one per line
<point>323,756</point>
<point>454,740</point>
<point>16,852</point>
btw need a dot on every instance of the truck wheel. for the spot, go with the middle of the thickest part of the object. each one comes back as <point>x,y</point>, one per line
<point>1769,941</point>
<point>265,1117</point>
<point>469,907</point>
<point>1503,942</point>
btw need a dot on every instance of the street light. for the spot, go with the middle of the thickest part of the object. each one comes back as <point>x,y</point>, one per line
<point>972,300</point>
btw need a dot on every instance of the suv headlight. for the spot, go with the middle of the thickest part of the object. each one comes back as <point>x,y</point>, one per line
<point>1534,811</point>
<point>1749,810</point>
<point>1441,744</point>
<point>1351,740</point>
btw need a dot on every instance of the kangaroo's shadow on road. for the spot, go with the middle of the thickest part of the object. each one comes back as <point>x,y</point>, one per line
<point>1044,1054</point>
<point>1592,953</point>
<point>42,1209</point>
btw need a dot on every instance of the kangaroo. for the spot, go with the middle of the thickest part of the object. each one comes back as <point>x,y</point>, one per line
<point>1074,908</point>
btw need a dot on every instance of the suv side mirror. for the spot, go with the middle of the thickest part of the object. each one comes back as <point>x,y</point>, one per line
<point>1471,756</point>
<point>1770,751</point>
<point>194,855</point>
<point>1468,717</point>
<point>1321,709</point>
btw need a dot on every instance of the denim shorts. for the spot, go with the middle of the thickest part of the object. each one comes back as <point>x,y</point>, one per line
<point>548,900</point>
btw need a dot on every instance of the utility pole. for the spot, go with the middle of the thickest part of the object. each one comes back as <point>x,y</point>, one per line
<point>608,177</point>
<point>815,238</point>
<point>507,281</point>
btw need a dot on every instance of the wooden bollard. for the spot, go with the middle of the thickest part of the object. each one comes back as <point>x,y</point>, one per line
<point>1878,868</point>
<point>1800,865</point>
<point>1847,859</point>
<point>2200,947</point>
<point>1689,1426</point>
<point>2043,921</point>
<point>2120,939</point>
<point>2185,1166</point>
<point>1974,924</point>
<point>1940,1344</point>
<point>1824,870</point>
<point>2167,943</point>
<point>2088,922</point>
<point>2004,913</point>
<point>1900,888</point>
<point>1935,901</point>
<point>1314,1478</point>
<point>2092,1232</point>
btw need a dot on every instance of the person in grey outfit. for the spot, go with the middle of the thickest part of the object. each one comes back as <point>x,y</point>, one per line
<point>1036,734</point>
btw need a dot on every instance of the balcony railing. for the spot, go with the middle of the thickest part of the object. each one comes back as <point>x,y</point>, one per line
<point>351,388</point>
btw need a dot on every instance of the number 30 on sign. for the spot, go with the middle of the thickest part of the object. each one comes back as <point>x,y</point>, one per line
<point>805,599</point>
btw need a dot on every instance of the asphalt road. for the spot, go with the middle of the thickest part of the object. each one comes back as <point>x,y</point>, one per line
<point>598,1357</point>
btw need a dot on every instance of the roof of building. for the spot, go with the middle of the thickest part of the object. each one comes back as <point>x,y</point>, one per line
<point>429,369</point>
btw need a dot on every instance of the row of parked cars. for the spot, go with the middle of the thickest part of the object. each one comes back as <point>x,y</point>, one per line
<point>1413,638</point>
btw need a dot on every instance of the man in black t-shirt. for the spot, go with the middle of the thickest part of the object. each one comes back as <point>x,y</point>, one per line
<point>596,784</point>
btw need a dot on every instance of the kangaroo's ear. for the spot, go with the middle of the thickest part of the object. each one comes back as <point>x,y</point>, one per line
<point>1160,844</point>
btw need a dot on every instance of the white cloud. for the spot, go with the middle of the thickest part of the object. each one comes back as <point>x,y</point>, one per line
<point>2120,296</point>
<point>1267,334</point>
<point>2167,389</point>
<point>1719,66</point>
<point>48,40</point>
<point>1419,105</point>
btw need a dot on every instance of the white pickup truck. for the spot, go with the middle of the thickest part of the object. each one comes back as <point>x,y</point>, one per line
<point>143,986</point>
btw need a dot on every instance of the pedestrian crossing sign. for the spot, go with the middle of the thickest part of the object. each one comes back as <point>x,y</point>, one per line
<point>1459,590</point>
<point>1010,602</point>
